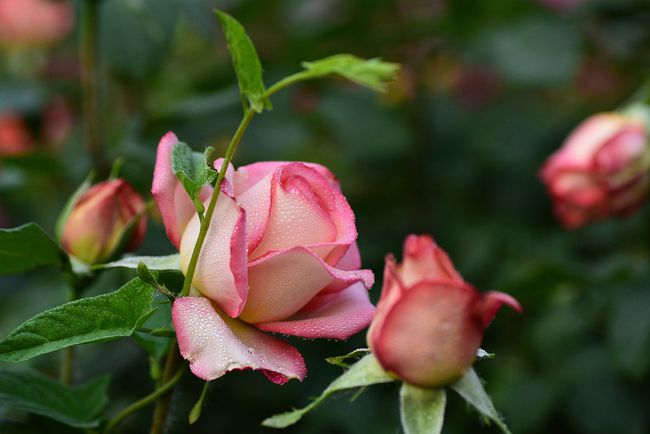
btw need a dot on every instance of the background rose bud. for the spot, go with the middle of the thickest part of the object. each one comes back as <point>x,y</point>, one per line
<point>99,220</point>
<point>429,322</point>
<point>27,23</point>
<point>280,255</point>
<point>15,138</point>
<point>601,170</point>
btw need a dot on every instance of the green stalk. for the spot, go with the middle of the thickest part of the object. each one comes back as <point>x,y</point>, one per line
<point>89,85</point>
<point>128,411</point>
<point>162,407</point>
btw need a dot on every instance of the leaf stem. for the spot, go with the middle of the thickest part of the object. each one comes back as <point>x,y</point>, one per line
<point>89,86</point>
<point>144,401</point>
<point>288,81</point>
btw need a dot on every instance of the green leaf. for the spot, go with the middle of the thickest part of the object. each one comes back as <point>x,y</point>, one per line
<point>27,247</point>
<point>372,73</point>
<point>341,361</point>
<point>92,319</point>
<point>471,389</point>
<point>422,411</point>
<point>69,205</point>
<point>153,263</point>
<point>78,406</point>
<point>192,171</point>
<point>245,61</point>
<point>363,373</point>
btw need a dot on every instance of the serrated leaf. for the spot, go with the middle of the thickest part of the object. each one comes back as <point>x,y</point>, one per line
<point>78,406</point>
<point>365,372</point>
<point>245,62</point>
<point>192,171</point>
<point>153,263</point>
<point>342,361</point>
<point>27,247</point>
<point>470,388</point>
<point>83,321</point>
<point>373,73</point>
<point>69,205</point>
<point>422,411</point>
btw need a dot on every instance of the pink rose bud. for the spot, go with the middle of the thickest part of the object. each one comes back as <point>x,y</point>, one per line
<point>600,171</point>
<point>100,219</point>
<point>29,23</point>
<point>15,138</point>
<point>280,256</point>
<point>429,322</point>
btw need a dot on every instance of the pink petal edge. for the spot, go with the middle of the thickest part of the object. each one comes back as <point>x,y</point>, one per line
<point>215,344</point>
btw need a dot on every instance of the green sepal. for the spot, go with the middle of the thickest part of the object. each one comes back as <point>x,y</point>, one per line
<point>193,172</point>
<point>422,411</point>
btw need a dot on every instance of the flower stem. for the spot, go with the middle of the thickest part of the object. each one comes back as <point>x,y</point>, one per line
<point>144,401</point>
<point>205,224</point>
<point>89,86</point>
<point>162,407</point>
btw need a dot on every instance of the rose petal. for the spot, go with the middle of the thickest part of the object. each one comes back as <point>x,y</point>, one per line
<point>424,260</point>
<point>221,271</point>
<point>215,344</point>
<point>175,205</point>
<point>490,303</point>
<point>335,316</point>
<point>433,324</point>
<point>351,260</point>
<point>282,283</point>
<point>294,204</point>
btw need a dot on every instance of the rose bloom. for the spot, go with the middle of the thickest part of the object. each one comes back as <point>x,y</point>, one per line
<point>429,322</point>
<point>28,23</point>
<point>100,219</point>
<point>601,170</point>
<point>15,138</point>
<point>280,256</point>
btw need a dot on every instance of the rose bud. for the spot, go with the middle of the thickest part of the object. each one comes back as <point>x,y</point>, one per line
<point>600,171</point>
<point>280,256</point>
<point>32,23</point>
<point>101,219</point>
<point>429,322</point>
<point>15,138</point>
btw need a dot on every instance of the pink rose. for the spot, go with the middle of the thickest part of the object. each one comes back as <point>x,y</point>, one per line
<point>280,256</point>
<point>601,170</point>
<point>27,23</point>
<point>100,219</point>
<point>429,322</point>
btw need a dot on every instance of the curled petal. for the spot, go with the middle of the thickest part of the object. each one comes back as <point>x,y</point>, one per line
<point>294,204</point>
<point>282,283</point>
<point>334,316</point>
<point>490,303</point>
<point>215,344</point>
<point>221,271</point>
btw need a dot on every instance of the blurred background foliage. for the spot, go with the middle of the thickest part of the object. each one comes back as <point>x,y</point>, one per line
<point>488,90</point>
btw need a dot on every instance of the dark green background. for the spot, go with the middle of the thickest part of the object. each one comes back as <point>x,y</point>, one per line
<point>489,90</point>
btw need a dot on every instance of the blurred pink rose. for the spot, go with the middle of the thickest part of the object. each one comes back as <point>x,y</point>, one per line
<point>27,23</point>
<point>601,170</point>
<point>429,322</point>
<point>15,138</point>
<point>280,256</point>
<point>101,218</point>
